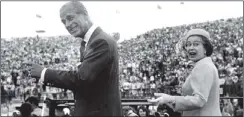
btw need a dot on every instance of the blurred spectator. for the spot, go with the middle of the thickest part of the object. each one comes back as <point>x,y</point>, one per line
<point>34,101</point>
<point>228,107</point>
<point>165,110</point>
<point>25,110</point>
<point>142,111</point>
<point>14,75</point>
<point>3,95</point>
<point>129,111</point>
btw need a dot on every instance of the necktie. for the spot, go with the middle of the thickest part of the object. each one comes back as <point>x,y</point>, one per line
<point>82,49</point>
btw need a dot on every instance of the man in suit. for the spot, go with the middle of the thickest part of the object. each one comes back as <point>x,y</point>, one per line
<point>95,83</point>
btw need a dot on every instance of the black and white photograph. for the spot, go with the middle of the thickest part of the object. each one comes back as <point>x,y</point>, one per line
<point>121,58</point>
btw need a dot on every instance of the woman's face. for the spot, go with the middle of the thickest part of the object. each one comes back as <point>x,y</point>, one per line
<point>194,48</point>
<point>142,113</point>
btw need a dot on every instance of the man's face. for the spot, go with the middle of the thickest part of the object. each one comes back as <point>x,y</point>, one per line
<point>76,24</point>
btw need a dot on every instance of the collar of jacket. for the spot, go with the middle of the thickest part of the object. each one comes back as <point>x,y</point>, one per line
<point>204,60</point>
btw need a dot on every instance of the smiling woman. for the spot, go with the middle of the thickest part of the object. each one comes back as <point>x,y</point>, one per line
<point>198,45</point>
<point>200,91</point>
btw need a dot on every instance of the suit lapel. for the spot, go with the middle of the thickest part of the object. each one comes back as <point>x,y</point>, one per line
<point>94,34</point>
<point>88,49</point>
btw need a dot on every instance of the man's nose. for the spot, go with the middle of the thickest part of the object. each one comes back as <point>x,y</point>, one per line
<point>68,25</point>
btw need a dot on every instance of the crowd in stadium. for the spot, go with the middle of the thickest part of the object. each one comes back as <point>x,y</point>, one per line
<point>149,63</point>
<point>151,58</point>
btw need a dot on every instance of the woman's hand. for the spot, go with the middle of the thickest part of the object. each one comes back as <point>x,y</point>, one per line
<point>162,98</point>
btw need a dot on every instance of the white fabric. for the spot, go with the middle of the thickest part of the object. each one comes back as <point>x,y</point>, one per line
<point>42,75</point>
<point>89,33</point>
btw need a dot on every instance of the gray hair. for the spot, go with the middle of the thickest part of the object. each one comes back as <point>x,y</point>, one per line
<point>77,6</point>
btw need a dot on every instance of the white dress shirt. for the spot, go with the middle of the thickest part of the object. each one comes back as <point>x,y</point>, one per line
<point>86,39</point>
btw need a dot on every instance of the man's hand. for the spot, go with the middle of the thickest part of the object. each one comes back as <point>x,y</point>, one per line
<point>35,70</point>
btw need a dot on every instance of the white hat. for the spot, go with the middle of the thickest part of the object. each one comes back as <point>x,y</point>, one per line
<point>201,32</point>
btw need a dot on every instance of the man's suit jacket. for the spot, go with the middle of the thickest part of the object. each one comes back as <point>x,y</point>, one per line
<point>200,91</point>
<point>96,83</point>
